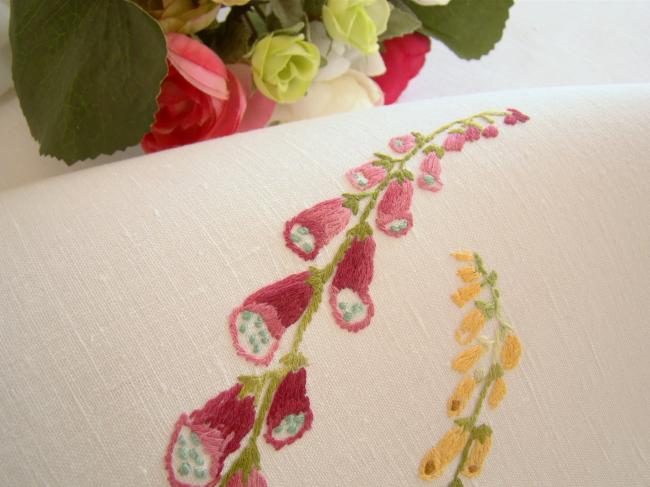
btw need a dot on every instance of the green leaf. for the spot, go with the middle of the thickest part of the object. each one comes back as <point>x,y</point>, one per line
<point>400,22</point>
<point>470,28</point>
<point>456,483</point>
<point>87,73</point>
<point>351,202</point>
<point>231,40</point>
<point>314,8</point>
<point>481,433</point>
<point>288,12</point>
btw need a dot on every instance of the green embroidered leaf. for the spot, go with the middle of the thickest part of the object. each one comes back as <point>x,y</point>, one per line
<point>352,202</point>
<point>491,278</point>
<point>231,39</point>
<point>470,28</point>
<point>495,372</point>
<point>363,231</point>
<point>288,12</point>
<point>481,433</point>
<point>456,483</point>
<point>87,73</point>
<point>252,385</point>
<point>408,174</point>
<point>465,423</point>
<point>294,360</point>
<point>486,308</point>
<point>401,22</point>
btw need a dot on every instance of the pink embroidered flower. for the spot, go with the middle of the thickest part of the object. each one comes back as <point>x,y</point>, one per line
<point>350,300</point>
<point>257,326</point>
<point>308,232</point>
<point>472,133</point>
<point>403,143</point>
<point>490,131</point>
<point>454,142</point>
<point>430,177</point>
<point>518,115</point>
<point>366,176</point>
<point>255,479</point>
<point>290,415</point>
<point>202,441</point>
<point>394,217</point>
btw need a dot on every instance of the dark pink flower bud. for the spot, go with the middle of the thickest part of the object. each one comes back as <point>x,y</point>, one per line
<point>290,414</point>
<point>257,326</point>
<point>490,131</point>
<point>510,119</point>
<point>350,300</point>
<point>518,115</point>
<point>429,179</point>
<point>454,142</point>
<point>394,217</point>
<point>366,176</point>
<point>202,441</point>
<point>313,228</point>
<point>255,479</point>
<point>472,133</point>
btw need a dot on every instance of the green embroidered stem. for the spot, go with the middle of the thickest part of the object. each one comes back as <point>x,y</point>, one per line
<point>269,381</point>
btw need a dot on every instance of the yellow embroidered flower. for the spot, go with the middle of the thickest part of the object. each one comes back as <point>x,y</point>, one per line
<point>468,274</point>
<point>511,352</point>
<point>430,465</point>
<point>477,454</point>
<point>463,255</point>
<point>465,294</point>
<point>498,392</point>
<point>451,444</point>
<point>470,327</point>
<point>466,359</point>
<point>460,396</point>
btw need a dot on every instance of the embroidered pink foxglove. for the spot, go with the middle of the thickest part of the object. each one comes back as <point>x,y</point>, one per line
<point>350,300</point>
<point>394,217</point>
<point>366,176</point>
<point>313,228</point>
<point>429,179</point>
<point>290,414</point>
<point>257,326</point>
<point>202,441</point>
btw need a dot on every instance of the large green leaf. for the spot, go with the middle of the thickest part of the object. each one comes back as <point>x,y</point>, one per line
<point>87,73</point>
<point>470,28</point>
<point>288,12</point>
<point>401,22</point>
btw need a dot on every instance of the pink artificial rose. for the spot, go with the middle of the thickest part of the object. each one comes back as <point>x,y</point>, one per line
<point>200,98</point>
<point>404,57</point>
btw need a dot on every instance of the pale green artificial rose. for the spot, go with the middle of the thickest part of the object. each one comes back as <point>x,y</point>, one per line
<point>357,22</point>
<point>284,66</point>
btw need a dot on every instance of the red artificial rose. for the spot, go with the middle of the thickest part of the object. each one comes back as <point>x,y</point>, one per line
<point>403,57</point>
<point>201,98</point>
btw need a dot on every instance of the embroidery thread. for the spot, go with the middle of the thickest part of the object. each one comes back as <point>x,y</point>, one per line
<point>277,398</point>
<point>467,439</point>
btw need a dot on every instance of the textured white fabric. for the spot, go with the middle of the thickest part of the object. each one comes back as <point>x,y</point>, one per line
<point>545,43</point>
<point>116,284</point>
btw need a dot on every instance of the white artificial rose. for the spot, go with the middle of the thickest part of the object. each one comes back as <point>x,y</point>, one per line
<point>349,92</point>
<point>341,57</point>
<point>430,3</point>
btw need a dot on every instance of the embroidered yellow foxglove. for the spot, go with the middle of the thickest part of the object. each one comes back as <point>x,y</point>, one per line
<point>460,396</point>
<point>470,327</point>
<point>477,454</point>
<point>284,66</point>
<point>463,255</point>
<point>466,294</point>
<point>430,465</point>
<point>468,274</point>
<point>498,392</point>
<point>467,358</point>
<point>357,22</point>
<point>511,352</point>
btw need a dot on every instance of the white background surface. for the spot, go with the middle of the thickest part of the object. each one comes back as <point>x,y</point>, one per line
<point>116,284</point>
<point>546,43</point>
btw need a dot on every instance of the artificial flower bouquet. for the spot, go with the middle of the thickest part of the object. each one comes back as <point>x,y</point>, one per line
<point>96,76</point>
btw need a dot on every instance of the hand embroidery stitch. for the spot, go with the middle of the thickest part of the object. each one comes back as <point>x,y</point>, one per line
<point>278,397</point>
<point>466,439</point>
